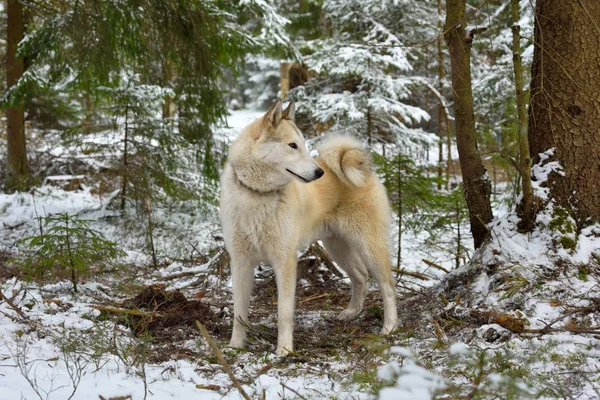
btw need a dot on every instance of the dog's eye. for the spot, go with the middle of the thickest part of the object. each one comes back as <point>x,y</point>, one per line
<point>293,145</point>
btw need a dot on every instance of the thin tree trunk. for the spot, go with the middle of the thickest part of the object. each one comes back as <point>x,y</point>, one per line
<point>564,108</point>
<point>16,162</point>
<point>476,182</point>
<point>89,105</point>
<point>442,109</point>
<point>124,175</point>
<point>526,211</point>
<point>400,209</point>
<point>168,104</point>
<point>458,237</point>
<point>442,74</point>
<point>448,149</point>
<point>369,126</point>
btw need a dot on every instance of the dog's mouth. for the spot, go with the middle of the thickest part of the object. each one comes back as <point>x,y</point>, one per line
<point>298,176</point>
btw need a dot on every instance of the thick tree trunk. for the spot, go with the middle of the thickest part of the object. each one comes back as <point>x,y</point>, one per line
<point>564,110</point>
<point>16,160</point>
<point>476,182</point>
<point>526,211</point>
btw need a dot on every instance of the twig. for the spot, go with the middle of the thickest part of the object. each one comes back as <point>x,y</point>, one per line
<point>318,251</point>
<point>125,311</point>
<point>316,297</point>
<point>576,311</point>
<point>217,352</point>
<point>593,330</point>
<point>439,332</point>
<point>412,274</point>
<point>13,306</point>
<point>434,265</point>
<point>151,234</point>
<point>293,391</point>
<point>260,372</point>
<point>179,275</point>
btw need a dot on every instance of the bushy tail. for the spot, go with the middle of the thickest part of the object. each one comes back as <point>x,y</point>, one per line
<point>347,159</point>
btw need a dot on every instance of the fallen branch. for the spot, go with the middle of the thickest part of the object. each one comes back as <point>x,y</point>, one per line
<point>260,372</point>
<point>517,325</point>
<point>179,275</point>
<point>293,391</point>
<point>125,311</point>
<point>316,297</point>
<point>217,352</point>
<point>577,310</point>
<point>412,274</point>
<point>209,387</point>
<point>316,250</point>
<point>434,265</point>
<point>13,306</point>
<point>593,330</point>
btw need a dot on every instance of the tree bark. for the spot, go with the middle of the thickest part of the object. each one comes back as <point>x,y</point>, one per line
<point>526,211</point>
<point>475,180</point>
<point>441,110</point>
<point>16,160</point>
<point>564,110</point>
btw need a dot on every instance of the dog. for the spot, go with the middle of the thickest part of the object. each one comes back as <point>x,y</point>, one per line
<point>276,199</point>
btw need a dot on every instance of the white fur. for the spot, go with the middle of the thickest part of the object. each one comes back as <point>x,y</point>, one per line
<point>269,211</point>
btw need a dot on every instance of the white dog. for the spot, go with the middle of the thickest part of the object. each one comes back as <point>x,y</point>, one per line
<point>276,199</point>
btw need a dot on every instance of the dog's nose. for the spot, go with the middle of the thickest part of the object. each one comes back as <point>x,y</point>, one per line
<point>319,173</point>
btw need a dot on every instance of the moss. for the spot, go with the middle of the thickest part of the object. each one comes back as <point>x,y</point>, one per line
<point>567,243</point>
<point>583,273</point>
<point>562,222</point>
<point>367,380</point>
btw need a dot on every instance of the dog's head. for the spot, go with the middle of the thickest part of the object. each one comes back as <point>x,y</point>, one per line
<point>281,144</point>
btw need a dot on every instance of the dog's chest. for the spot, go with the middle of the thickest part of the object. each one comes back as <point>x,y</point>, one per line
<point>256,221</point>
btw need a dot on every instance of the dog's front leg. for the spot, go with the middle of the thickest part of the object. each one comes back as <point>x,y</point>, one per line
<point>285,274</point>
<point>242,275</point>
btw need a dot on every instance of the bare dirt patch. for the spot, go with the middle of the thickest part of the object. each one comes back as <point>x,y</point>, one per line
<point>172,315</point>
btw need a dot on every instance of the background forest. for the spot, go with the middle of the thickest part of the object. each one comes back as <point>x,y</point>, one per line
<point>482,120</point>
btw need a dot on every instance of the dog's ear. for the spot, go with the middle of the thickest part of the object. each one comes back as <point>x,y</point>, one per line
<point>290,111</point>
<point>273,117</point>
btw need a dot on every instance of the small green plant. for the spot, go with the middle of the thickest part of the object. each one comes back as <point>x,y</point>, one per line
<point>513,285</point>
<point>67,245</point>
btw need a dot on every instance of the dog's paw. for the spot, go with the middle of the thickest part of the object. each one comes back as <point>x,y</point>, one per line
<point>387,330</point>
<point>349,314</point>
<point>237,343</point>
<point>283,351</point>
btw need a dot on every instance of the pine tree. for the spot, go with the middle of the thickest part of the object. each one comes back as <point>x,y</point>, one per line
<point>364,84</point>
<point>16,155</point>
<point>565,105</point>
<point>477,185</point>
<point>112,54</point>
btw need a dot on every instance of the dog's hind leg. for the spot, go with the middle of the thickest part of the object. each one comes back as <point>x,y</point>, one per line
<point>350,261</point>
<point>377,259</point>
<point>242,275</point>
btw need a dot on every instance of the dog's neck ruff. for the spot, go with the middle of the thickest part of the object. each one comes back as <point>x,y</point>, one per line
<point>254,190</point>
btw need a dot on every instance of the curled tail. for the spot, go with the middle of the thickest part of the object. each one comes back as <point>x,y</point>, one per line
<point>347,159</point>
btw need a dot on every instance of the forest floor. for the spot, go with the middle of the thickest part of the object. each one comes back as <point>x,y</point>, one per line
<point>130,331</point>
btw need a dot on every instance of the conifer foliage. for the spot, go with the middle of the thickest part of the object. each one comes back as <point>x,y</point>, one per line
<point>365,84</point>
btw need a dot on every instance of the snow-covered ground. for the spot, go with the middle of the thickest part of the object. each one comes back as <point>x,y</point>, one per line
<point>68,349</point>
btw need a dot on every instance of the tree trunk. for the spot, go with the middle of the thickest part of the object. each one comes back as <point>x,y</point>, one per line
<point>16,160</point>
<point>284,78</point>
<point>441,110</point>
<point>526,211</point>
<point>476,182</point>
<point>564,108</point>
